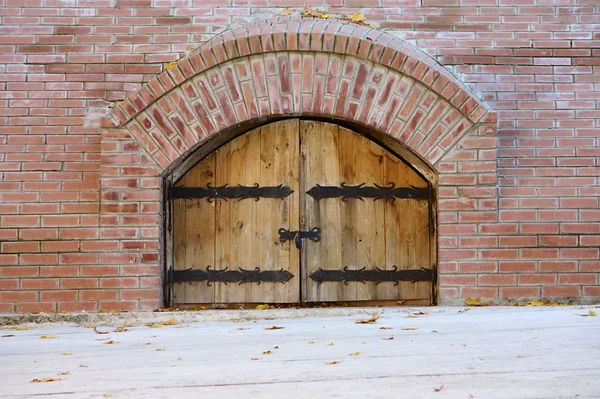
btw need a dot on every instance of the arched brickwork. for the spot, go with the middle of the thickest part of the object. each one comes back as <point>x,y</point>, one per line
<point>293,67</point>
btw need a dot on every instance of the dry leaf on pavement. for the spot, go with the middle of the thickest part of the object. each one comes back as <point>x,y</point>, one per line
<point>385,328</point>
<point>439,389</point>
<point>330,344</point>
<point>256,358</point>
<point>274,328</point>
<point>354,354</point>
<point>409,328</point>
<point>591,313</point>
<point>66,353</point>
<point>46,380</point>
<point>263,307</point>
<point>476,302</point>
<point>334,362</point>
<point>48,336</point>
<point>369,321</point>
<point>286,12</point>
<point>8,335</point>
<point>111,342</point>
<point>267,352</point>
<point>99,332</point>
<point>388,339</point>
<point>120,329</point>
<point>64,373</point>
<point>313,342</point>
<point>242,328</point>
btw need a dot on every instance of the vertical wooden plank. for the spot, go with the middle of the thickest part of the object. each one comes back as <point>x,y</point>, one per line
<point>179,243</point>
<point>407,229</point>
<point>363,240</point>
<point>319,151</point>
<point>200,231</point>
<point>279,165</point>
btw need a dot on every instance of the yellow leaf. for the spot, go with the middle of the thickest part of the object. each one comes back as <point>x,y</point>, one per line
<point>256,358</point>
<point>170,65</point>
<point>22,328</point>
<point>107,395</point>
<point>46,380</point>
<point>411,317</point>
<point>354,354</point>
<point>535,302</point>
<point>48,336</point>
<point>372,26</point>
<point>286,12</point>
<point>330,344</point>
<point>476,302</point>
<point>64,373</point>
<point>160,349</point>
<point>591,313</point>
<point>334,362</point>
<point>274,328</point>
<point>369,321</point>
<point>263,307</point>
<point>66,354</point>
<point>313,342</point>
<point>169,322</point>
<point>356,17</point>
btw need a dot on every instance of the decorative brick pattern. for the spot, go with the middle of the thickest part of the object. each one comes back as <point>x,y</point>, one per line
<point>518,214</point>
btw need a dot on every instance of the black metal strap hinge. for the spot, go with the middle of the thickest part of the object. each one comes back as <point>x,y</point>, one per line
<point>376,192</point>
<point>230,276</point>
<point>313,234</point>
<point>376,275</point>
<point>240,192</point>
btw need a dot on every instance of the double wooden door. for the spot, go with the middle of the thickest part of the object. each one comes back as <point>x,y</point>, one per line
<point>301,211</point>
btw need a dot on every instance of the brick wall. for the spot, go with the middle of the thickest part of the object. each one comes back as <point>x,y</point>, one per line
<point>532,231</point>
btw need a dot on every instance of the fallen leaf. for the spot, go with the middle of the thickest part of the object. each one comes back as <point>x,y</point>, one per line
<point>330,344</point>
<point>102,339</point>
<point>471,396</point>
<point>434,331</point>
<point>388,339</point>
<point>354,354</point>
<point>46,380</point>
<point>316,13</point>
<point>409,328</point>
<point>439,389</point>
<point>535,302</point>
<point>334,362</point>
<point>8,335</point>
<point>411,317</point>
<point>64,373</point>
<point>22,328</point>
<point>107,395</point>
<point>591,313</point>
<point>313,342</point>
<point>464,310</point>
<point>66,354</point>
<point>286,12</point>
<point>267,352</point>
<point>372,26</point>
<point>169,322</point>
<point>274,328</point>
<point>357,17</point>
<point>49,336</point>
<point>276,347</point>
<point>400,302</point>
<point>111,342</point>
<point>476,302</point>
<point>263,307</point>
<point>420,312</point>
<point>369,321</point>
<point>385,328</point>
<point>99,332</point>
<point>242,328</point>
<point>170,65</point>
<point>160,349</point>
<point>256,358</point>
<point>181,326</point>
<point>120,329</point>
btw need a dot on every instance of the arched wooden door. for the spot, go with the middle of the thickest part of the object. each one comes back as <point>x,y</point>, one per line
<point>301,211</point>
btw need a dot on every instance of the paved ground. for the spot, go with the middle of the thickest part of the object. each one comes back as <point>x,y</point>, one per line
<point>482,353</point>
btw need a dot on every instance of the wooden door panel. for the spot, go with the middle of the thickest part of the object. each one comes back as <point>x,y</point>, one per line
<point>237,234</point>
<point>371,234</point>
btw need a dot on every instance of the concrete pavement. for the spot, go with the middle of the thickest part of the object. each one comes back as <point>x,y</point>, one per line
<point>482,353</point>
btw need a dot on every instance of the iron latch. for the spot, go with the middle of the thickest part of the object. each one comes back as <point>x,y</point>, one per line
<point>313,234</point>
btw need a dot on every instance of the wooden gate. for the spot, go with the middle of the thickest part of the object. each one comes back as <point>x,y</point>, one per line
<point>301,211</point>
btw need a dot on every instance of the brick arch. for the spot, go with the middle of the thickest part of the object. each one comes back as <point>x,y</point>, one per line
<point>294,66</point>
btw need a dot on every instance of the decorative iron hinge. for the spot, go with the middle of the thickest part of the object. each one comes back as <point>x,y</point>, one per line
<point>313,234</point>
<point>240,192</point>
<point>361,191</point>
<point>231,276</point>
<point>377,275</point>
